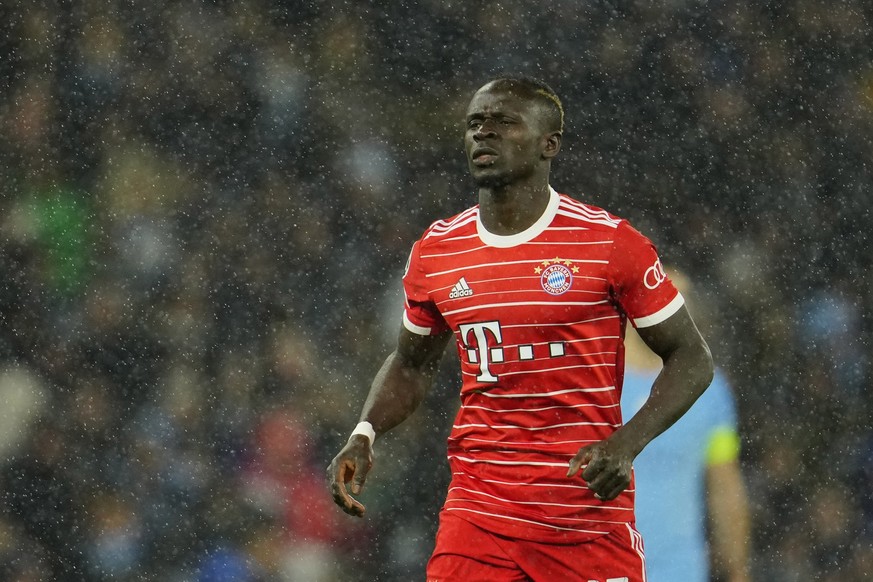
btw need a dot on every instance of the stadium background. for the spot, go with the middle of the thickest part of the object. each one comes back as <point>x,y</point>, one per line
<point>206,206</point>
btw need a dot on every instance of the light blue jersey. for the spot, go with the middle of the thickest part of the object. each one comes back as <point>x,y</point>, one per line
<point>670,485</point>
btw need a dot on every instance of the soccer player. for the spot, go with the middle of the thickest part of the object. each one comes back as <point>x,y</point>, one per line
<point>535,287</point>
<point>697,460</point>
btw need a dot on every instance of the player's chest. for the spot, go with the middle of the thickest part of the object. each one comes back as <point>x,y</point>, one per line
<point>527,288</point>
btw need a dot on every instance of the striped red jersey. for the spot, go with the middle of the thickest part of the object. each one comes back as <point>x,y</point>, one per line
<point>539,321</point>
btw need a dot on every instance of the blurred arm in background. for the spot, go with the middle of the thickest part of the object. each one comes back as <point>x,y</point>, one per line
<point>727,508</point>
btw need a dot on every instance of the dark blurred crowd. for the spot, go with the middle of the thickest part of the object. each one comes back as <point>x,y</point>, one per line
<point>205,208</point>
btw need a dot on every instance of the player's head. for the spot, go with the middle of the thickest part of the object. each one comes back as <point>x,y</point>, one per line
<point>513,130</point>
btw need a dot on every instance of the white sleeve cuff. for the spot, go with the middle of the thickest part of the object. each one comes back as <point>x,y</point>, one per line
<point>662,314</point>
<point>417,329</point>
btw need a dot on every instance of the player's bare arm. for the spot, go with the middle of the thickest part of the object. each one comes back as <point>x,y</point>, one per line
<point>686,373</point>
<point>399,387</point>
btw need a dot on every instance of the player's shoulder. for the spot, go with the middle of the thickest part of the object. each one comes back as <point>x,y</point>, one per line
<point>619,229</point>
<point>586,214</point>
<point>445,228</point>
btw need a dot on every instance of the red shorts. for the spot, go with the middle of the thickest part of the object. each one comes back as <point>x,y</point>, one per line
<point>466,553</point>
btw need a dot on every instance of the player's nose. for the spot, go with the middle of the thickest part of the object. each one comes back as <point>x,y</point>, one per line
<point>485,130</point>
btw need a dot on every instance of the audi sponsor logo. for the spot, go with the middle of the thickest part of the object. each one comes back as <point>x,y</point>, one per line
<point>654,275</point>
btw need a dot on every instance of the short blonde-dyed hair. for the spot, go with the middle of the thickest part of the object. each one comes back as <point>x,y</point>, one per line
<point>539,91</point>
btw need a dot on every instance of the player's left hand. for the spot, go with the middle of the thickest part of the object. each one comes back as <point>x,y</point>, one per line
<point>607,468</point>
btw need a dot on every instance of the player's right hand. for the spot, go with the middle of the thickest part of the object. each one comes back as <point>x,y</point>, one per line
<point>606,466</point>
<point>352,464</point>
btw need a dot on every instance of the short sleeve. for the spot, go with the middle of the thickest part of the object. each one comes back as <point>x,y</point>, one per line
<point>637,279</point>
<point>420,314</point>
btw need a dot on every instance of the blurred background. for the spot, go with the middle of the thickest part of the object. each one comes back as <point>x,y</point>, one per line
<point>206,206</point>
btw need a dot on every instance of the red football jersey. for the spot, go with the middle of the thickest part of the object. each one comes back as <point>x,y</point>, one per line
<point>539,321</point>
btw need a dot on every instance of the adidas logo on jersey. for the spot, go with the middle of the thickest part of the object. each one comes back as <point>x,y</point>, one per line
<point>461,289</point>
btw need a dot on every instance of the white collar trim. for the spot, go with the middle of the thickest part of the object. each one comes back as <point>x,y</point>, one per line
<point>528,234</point>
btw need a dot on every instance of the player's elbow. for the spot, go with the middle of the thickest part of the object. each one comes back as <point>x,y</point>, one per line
<point>694,358</point>
<point>704,368</point>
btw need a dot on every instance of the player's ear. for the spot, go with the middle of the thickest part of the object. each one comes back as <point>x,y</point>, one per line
<point>551,144</point>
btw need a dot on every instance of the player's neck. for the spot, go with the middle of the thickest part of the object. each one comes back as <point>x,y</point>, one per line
<point>511,209</point>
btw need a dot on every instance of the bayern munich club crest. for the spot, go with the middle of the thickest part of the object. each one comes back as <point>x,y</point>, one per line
<point>556,276</point>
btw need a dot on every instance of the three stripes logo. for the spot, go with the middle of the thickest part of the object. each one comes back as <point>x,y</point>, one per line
<point>461,289</point>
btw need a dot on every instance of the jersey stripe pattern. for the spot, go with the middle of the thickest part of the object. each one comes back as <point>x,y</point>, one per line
<point>538,319</point>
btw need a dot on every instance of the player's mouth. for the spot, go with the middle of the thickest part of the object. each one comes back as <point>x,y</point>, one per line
<point>483,156</point>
